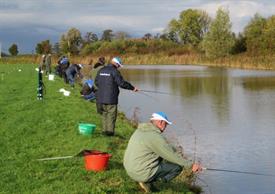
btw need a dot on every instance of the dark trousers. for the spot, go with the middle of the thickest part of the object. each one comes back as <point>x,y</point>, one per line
<point>70,78</point>
<point>166,172</point>
<point>109,114</point>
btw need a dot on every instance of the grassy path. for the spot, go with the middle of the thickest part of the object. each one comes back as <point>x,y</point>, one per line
<point>32,129</point>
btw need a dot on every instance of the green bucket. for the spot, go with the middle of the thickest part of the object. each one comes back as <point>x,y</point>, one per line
<point>86,128</point>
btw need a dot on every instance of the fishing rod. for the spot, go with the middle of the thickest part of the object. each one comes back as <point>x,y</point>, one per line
<point>143,93</point>
<point>157,92</point>
<point>236,171</point>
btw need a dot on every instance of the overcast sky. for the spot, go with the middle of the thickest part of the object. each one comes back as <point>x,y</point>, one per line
<point>26,22</point>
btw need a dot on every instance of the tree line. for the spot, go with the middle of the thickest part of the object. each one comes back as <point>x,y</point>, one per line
<point>194,31</point>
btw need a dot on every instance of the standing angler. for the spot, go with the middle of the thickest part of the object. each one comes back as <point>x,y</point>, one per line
<point>42,63</point>
<point>48,62</point>
<point>108,80</point>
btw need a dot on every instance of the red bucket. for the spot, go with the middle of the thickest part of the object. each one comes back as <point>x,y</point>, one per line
<point>96,160</point>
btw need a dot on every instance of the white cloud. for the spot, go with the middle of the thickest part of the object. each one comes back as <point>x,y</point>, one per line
<point>50,18</point>
<point>158,30</point>
<point>7,18</point>
<point>239,11</point>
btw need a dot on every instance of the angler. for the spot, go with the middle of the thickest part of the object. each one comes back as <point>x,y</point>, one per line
<point>149,157</point>
<point>108,80</point>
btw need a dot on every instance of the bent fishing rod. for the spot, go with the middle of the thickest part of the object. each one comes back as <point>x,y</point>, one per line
<point>236,171</point>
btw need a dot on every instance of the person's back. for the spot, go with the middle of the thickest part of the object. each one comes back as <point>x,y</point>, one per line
<point>108,90</point>
<point>48,59</point>
<point>72,71</point>
<point>42,62</point>
<point>108,81</point>
<point>140,161</point>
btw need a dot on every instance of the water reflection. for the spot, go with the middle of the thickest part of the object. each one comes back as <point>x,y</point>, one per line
<point>258,83</point>
<point>186,83</point>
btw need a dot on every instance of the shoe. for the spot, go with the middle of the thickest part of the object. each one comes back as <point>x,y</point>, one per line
<point>153,188</point>
<point>108,133</point>
<point>145,187</point>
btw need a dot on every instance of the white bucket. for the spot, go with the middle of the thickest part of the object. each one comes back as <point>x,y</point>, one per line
<point>51,77</point>
<point>67,93</point>
<point>62,90</point>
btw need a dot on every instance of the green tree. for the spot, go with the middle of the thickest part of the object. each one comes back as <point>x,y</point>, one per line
<point>218,41</point>
<point>71,42</point>
<point>254,34</point>
<point>43,47</point>
<point>239,44</point>
<point>107,35</point>
<point>147,36</point>
<point>171,36</point>
<point>56,48</point>
<point>269,34</point>
<point>90,37</point>
<point>191,26</point>
<point>13,50</point>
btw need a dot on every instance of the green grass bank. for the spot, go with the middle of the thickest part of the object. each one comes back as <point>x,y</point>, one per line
<point>31,129</point>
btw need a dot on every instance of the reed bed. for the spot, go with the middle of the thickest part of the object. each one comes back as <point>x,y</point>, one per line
<point>242,61</point>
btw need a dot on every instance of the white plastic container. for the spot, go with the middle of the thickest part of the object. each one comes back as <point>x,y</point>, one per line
<point>62,90</point>
<point>66,93</point>
<point>51,77</point>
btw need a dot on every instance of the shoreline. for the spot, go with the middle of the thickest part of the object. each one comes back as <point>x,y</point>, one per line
<point>237,62</point>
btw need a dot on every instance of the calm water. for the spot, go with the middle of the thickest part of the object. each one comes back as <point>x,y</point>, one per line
<point>230,112</point>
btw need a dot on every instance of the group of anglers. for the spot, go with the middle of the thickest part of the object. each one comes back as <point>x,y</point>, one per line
<point>148,157</point>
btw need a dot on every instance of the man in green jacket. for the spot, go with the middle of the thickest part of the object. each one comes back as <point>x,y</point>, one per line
<point>149,157</point>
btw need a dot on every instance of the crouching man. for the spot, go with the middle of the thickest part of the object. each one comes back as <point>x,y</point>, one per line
<point>149,157</point>
<point>88,90</point>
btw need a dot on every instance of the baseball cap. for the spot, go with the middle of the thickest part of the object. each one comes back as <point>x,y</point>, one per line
<point>118,61</point>
<point>160,116</point>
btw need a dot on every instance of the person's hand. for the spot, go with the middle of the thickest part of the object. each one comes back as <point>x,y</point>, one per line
<point>196,167</point>
<point>135,89</point>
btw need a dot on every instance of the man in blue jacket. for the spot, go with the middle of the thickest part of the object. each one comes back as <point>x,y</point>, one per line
<point>72,72</point>
<point>108,80</point>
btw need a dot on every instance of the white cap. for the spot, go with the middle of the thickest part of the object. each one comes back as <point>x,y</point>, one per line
<point>80,65</point>
<point>118,61</point>
<point>160,116</point>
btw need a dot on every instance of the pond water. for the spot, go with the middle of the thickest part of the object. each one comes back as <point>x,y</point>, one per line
<point>224,118</point>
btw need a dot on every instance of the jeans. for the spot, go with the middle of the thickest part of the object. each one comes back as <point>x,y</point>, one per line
<point>70,78</point>
<point>90,96</point>
<point>166,172</point>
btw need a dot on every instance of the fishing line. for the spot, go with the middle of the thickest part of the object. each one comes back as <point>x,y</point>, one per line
<point>153,98</point>
<point>159,92</point>
<point>237,171</point>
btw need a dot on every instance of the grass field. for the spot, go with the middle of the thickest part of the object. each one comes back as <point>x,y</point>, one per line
<point>32,129</point>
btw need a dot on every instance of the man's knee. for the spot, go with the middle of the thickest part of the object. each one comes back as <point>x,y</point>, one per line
<point>178,169</point>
